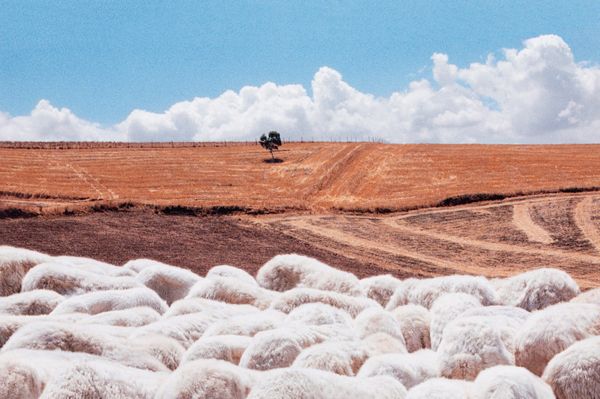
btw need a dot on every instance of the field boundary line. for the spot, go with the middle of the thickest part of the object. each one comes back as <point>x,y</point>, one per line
<point>529,198</point>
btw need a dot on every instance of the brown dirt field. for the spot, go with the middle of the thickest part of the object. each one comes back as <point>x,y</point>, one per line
<point>432,242</point>
<point>197,243</point>
<point>314,176</point>
<point>427,242</point>
<point>313,187</point>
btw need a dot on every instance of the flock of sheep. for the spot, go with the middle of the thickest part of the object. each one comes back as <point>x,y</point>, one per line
<point>78,328</point>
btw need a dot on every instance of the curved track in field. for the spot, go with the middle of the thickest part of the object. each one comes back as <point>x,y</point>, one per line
<point>583,218</point>
<point>522,220</point>
<point>456,240</point>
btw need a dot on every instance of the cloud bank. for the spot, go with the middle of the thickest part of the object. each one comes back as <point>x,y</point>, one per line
<point>536,94</point>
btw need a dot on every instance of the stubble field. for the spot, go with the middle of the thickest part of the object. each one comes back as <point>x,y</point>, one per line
<point>313,176</point>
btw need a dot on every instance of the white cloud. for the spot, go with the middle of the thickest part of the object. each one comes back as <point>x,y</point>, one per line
<point>230,116</point>
<point>540,89</point>
<point>46,123</point>
<point>538,93</point>
<point>443,73</point>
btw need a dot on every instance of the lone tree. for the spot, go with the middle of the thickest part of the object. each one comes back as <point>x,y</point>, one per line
<point>270,142</point>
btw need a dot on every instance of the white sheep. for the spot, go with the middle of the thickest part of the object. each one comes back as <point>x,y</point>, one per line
<point>414,322</point>
<point>575,372</point>
<point>185,329</point>
<point>516,314</point>
<point>284,272</point>
<point>196,305</point>
<point>445,309</point>
<point>9,323</point>
<point>374,320</point>
<point>166,349</point>
<point>66,280</point>
<point>246,324</point>
<point>233,291</point>
<point>509,382</point>
<point>221,347</point>
<point>14,263</point>
<point>339,357</point>
<point>380,288</point>
<point>109,339</point>
<point>471,344</point>
<point>93,266</point>
<point>381,343</point>
<point>26,373</point>
<point>345,332</point>
<point>300,383</point>
<point>279,347</point>
<point>271,349</point>
<point>104,301</point>
<point>549,331</point>
<point>410,369</point>
<point>82,338</point>
<point>169,282</point>
<point>424,292</point>
<point>318,314</point>
<point>296,297</point>
<point>509,319</point>
<point>441,388</point>
<point>227,336</point>
<point>536,289</point>
<point>132,317</point>
<point>589,296</point>
<point>36,302</point>
<point>207,379</point>
<point>19,380</point>
<point>231,272</point>
<point>101,379</point>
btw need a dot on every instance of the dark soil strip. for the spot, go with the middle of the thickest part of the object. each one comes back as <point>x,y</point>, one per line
<point>197,243</point>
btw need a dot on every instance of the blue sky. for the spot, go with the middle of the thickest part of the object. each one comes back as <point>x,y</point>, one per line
<point>103,59</point>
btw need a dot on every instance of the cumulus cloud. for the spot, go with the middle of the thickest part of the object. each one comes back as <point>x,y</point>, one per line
<point>47,123</point>
<point>538,93</point>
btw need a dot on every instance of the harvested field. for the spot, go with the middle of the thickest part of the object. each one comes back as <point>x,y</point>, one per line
<point>319,177</point>
<point>474,239</point>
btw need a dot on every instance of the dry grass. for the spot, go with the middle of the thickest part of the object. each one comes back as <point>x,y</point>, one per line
<point>313,176</point>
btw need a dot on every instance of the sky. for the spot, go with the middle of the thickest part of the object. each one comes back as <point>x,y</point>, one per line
<point>422,71</point>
